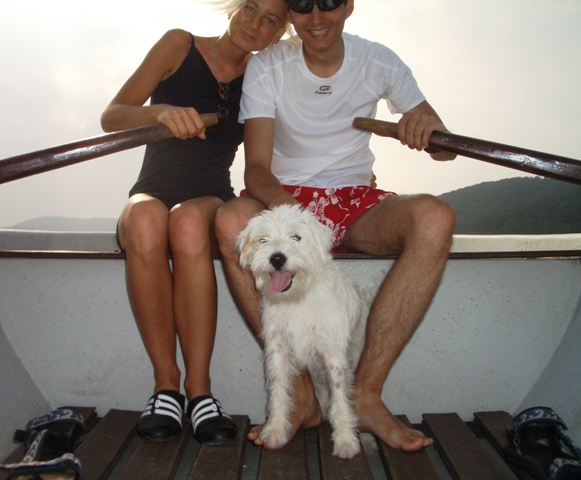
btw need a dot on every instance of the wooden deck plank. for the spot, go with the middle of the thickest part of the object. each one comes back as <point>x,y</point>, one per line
<point>155,460</point>
<point>408,465</point>
<point>288,463</point>
<point>333,467</point>
<point>494,426</point>
<point>223,462</point>
<point>106,442</point>
<point>14,457</point>
<point>463,454</point>
<point>308,455</point>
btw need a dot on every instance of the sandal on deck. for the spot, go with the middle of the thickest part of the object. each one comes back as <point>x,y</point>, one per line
<point>541,447</point>
<point>161,421</point>
<point>210,423</point>
<point>49,441</point>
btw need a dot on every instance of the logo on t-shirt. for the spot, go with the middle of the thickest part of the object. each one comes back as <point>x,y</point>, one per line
<point>324,90</point>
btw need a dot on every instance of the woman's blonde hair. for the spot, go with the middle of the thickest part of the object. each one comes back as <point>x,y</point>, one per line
<point>230,7</point>
<point>227,7</point>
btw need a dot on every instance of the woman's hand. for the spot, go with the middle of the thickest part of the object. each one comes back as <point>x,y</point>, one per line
<point>184,122</point>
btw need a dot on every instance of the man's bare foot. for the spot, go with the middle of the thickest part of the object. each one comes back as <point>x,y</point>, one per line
<point>306,413</point>
<point>375,418</point>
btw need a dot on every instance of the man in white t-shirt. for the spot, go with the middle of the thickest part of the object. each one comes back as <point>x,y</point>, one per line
<point>299,101</point>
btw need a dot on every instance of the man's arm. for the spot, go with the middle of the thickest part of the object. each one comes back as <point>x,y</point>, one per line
<point>258,177</point>
<point>416,126</point>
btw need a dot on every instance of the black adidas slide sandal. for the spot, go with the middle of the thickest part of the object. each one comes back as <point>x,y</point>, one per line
<point>161,421</point>
<point>210,423</point>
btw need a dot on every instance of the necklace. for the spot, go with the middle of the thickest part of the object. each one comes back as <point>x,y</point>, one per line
<point>221,85</point>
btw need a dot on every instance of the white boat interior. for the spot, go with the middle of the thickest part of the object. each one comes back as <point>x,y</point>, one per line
<point>503,332</point>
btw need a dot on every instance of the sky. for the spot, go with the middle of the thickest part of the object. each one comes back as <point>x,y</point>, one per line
<point>507,71</point>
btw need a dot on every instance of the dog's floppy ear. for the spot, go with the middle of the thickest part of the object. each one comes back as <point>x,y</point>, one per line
<point>244,244</point>
<point>323,237</point>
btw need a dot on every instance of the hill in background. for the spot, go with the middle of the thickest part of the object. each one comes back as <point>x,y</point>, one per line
<point>509,206</point>
<point>517,206</point>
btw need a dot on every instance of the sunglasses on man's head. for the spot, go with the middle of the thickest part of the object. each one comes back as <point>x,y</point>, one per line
<point>306,6</point>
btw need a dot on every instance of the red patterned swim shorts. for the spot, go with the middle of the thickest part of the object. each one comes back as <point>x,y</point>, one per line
<point>337,208</point>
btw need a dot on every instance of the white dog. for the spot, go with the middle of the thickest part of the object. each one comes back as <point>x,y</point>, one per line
<point>312,318</point>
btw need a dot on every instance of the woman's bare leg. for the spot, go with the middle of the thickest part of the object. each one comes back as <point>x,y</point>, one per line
<point>191,226</point>
<point>143,235</point>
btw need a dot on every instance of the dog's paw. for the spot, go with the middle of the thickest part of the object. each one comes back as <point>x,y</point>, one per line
<point>273,436</point>
<point>346,445</point>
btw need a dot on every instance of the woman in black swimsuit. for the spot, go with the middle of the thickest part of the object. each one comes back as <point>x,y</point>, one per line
<point>172,206</point>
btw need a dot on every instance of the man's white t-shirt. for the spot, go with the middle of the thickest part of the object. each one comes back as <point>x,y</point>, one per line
<point>314,142</point>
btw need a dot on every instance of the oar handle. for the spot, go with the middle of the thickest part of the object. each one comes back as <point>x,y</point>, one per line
<point>538,163</point>
<point>379,127</point>
<point>60,156</point>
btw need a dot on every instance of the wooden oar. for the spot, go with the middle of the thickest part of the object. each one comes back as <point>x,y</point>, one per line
<point>57,157</point>
<point>539,163</point>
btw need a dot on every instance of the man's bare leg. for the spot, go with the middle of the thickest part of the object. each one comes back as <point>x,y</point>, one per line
<point>420,228</point>
<point>231,220</point>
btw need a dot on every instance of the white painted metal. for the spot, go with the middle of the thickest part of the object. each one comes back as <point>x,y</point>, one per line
<point>500,334</point>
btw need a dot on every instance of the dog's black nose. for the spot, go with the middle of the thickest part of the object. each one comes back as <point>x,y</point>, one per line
<point>277,260</point>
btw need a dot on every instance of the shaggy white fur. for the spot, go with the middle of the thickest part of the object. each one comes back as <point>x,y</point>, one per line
<point>312,318</point>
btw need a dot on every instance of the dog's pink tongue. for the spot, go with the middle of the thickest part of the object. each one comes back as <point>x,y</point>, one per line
<point>280,281</point>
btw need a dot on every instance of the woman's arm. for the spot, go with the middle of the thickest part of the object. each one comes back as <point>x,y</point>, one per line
<point>127,109</point>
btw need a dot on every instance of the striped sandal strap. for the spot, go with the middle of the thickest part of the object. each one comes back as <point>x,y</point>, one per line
<point>163,403</point>
<point>205,408</point>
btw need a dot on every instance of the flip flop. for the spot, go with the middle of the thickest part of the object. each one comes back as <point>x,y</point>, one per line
<point>541,446</point>
<point>50,441</point>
